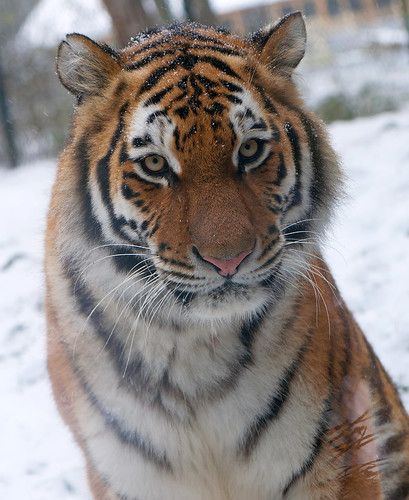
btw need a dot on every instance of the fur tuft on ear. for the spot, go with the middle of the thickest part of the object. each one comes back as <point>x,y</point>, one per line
<point>281,46</point>
<point>84,67</point>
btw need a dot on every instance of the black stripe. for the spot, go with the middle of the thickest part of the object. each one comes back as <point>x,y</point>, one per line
<point>191,36</point>
<point>176,262</point>
<point>176,136</point>
<point>231,86</point>
<point>179,274</point>
<point>137,177</point>
<point>295,146</point>
<point>214,48</point>
<point>152,117</point>
<point>182,112</point>
<point>135,373</point>
<point>298,231</point>
<point>394,444</point>
<point>273,242</point>
<point>128,193</point>
<point>207,83</point>
<point>186,61</point>
<point>247,335</point>
<point>384,413</point>
<point>319,187</point>
<point>91,224</point>
<point>140,142</point>
<point>158,96</point>
<point>316,446</point>
<point>400,492</point>
<point>271,260</point>
<point>275,404</point>
<point>150,58</point>
<point>268,104</point>
<point>322,426</point>
<point>281,170</point>
<point>248,332</point>
<point>103,177</point>
<point>232,98</point>
<point>346,362</point>
<point>184,297</point>
<point>219,64</point>
<point>126,436</point>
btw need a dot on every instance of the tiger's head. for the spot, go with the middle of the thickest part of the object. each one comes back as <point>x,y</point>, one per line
<point>200,153</point>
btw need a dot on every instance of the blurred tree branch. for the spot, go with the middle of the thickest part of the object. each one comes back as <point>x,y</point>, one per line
<point>129,18</point>
<point>7,123</point>
<point>164,10</point>
<point>199,11</point>
<point>405,16</point>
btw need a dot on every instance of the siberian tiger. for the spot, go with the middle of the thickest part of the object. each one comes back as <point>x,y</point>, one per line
<point>197,344</point>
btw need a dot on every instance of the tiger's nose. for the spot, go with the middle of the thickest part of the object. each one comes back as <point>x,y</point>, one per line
<point>227,267</point>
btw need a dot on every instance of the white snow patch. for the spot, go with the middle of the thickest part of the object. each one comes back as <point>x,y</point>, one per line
<point>370,260</point>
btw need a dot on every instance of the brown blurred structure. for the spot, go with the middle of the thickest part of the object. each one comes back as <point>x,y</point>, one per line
<point>339,14</point>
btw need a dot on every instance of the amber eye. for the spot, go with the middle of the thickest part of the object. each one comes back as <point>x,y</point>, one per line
<point>154,163</point>
<point>249,148</point>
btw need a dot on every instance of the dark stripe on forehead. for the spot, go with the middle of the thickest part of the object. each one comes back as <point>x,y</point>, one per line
<point>140,142</point>
<point>149,59</point>
<point>191,36</point>
<point>231,86</point>
<point>156,98</point>
<point>188,62</point>
<point>222,50</point>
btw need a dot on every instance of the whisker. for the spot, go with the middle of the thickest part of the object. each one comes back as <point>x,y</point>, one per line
<point>299,222</point>
<point>119,245</point>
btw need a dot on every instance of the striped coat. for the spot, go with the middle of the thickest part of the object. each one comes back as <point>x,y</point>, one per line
<point>198,346</point>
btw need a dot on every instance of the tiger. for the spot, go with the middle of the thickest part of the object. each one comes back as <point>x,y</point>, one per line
<point>198,346</point>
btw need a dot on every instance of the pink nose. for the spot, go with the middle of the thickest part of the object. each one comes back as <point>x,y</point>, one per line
<point>227,267</point>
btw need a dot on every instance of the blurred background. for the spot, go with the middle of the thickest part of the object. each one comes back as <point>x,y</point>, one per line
<point>355,76</point>
<point>357,61</point>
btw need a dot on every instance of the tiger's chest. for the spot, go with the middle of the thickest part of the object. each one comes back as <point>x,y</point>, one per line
<point>196,460</point>
<point>238,444</point>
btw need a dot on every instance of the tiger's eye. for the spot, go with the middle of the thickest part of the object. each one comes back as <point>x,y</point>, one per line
<point>155,163</point>
<point>248,148</point>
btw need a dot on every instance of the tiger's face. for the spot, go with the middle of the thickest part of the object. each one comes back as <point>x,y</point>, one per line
<point>198,161</point>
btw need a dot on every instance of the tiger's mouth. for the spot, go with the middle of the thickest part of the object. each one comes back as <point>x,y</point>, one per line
<point>237,286</point>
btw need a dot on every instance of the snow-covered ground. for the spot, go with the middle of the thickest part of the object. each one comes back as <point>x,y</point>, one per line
<point>368,251</point>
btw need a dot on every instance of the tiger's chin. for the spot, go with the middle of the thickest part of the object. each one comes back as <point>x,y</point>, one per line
<point>229,302</point>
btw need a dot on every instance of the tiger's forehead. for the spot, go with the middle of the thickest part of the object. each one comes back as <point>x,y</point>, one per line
<point>161,42</point>
<point>193,92</point>
<point>195,111</point>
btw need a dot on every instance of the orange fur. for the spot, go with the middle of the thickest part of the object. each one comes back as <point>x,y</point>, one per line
<point>338,364</point>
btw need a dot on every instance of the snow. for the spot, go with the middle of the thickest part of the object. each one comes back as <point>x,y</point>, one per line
<point>368,252</point>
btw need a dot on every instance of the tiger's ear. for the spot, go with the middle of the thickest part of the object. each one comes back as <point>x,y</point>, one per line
<point>282,45</point>
<point>84,67</point>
